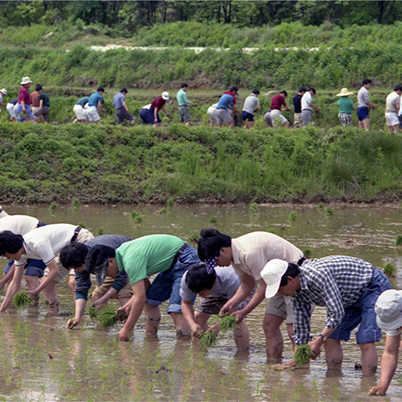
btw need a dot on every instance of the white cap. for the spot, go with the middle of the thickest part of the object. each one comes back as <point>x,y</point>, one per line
<point>165,95</point>
<point>388,308</point>
<point>272,275</point>
<point>26,80</point>
<point>4,91</point>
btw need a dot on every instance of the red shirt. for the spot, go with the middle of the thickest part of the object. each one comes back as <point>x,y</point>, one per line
<point>277,102</point>
<point>23,96</point>
<point>158,103</point>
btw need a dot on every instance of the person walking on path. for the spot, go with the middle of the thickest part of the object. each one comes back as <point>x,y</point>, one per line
<point>392,106</point>
<point>80,111</point>
<point>24,101</point>
<point>388,308</point>
<point>363,105</point>
<point>3,93</point>
<point>227,102</point>
<point>345,106</point>
<point>297,117</point>
<point>184,103</point>
<point>251,105</point>
<point>348,287</point>
<point>248,254</point>
<point>94,106</point>
<point>165,255</point>
<point>277,102</point>
<point>308,106</point>
<point>12,108</point>
<point>42,114</point>
<point>150,113</point>
<point>122,113</point>
<point>35,99</point>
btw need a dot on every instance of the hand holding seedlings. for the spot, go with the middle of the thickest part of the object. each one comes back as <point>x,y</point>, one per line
<point>21,299</point>
<point>207,340</point>
<point>229,323</point>
<point>215,328</point>
<point>303,354</point>
<point>107,317</point>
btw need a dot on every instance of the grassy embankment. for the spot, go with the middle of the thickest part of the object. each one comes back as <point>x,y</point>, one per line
<point>141,164</point>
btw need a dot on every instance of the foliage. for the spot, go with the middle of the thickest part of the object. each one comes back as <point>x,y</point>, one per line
<point>22,299</point>
<point>303,354</point>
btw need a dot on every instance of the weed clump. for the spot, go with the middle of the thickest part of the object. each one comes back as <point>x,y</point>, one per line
<point>293,216</point>
<point>329,212</point>
<point>398,241</point>
<point>21,299</point>
<point>389,269</point>
<point>228,323</point>
<point>303,354</point>
<point>107,317</point>
<point>93,313</point>
<point>207,340</point>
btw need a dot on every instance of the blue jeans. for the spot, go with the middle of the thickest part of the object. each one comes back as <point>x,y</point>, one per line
<point>20,116</point>
<point>166,285</point>
<point>33,267</point>
<point>362,312</point>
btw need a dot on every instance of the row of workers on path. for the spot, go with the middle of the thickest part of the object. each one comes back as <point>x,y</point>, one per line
<point>88,109</point>
<point>231,276</point>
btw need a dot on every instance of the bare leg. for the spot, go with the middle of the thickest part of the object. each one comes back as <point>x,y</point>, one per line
<point>183,330</point>
<point>369,358</point>
<point>287,124</point>
<point>152,319</point>
<point>50,295</point>
<point>273,336</point>
<point>333,354</point>
<point>32,281</point>
<point>232,124</point>
<point>289,328</point>
<point>242,337</point>
<point>250,125</point>
<point>188,124</point>
<point>366,124</point>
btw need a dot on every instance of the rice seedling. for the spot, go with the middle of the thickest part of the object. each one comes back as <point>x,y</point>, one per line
<point>75,203</point>
<point>52,206</point>
<point>253,208</point>
<point>193,238</point>
<point>293,216</point>
<point>213,219</point>
<point>207,340</point>
<point>389,269</point>
<point>398,241</point>
<point>93,312</point>
<point>134,214</point>
<point>308,252</point>
<point>303,354</point>
<point>100,231</point>
<point>329,212</point>
<point>82,224</point>
<point>138,219</point>
<point>107,317</point>
<point>21,299</point>
<point>162,211</point>
<point>228,323</point>
<point>320,205</point>
<point>170,202</point>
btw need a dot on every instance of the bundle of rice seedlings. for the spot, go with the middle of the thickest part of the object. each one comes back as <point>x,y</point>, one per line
<point>303,354</point>
<point>93,312</point>
<point>207,340</point>
<point>107,317</point>
<point>21,299</point>
<point>228,323</point>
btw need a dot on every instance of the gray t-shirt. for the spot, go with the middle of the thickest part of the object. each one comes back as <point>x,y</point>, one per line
<point>118,100</point>
<point>363,97</point>
<point>250,103</point>
<point>227,283</point>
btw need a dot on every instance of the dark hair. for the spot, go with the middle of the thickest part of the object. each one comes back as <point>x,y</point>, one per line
<point>97,256</point>
<point>312,89</point>
<point>293,270</point>
<point>233,89</point>
<point>38,87</point>
<point>100,89</point>
<point>367,81</point>
<point>124,90</point>
<point>256,91</point>
<point>284,93</point>
<point>73,255</point>
<point>398,88</point>
<point>198,279</point>
<point>184,85</point>
<point>10,242</point>
<point>210,242</point>
<point>303,89</point>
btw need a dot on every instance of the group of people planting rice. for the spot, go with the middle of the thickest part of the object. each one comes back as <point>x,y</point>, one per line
<point>34,107</point>
<point>230,277</point>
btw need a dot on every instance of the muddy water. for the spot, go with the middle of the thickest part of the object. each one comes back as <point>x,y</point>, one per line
<point>40,360</point>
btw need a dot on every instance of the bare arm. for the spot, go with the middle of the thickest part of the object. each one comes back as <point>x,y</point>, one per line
<point>372,105</point>
<point>164,109</point>
<point>188,313</point>
<point>233,109</point>
<point>53,272</point>
<point>125,106</point>
<point>13,288</point>
<point>79,312</point>
<point>23,106</point>
<point>313,106</point>
<point>41,104</point>
<point>7,277</point>
<point>109,294</point>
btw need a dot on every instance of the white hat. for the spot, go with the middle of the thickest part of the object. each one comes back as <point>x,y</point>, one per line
<point>26,80</point>
<point>4,91</point>
<point>388,308</point>
<point>272,275</point>
<point>344,92</point>
<point>165,95</point>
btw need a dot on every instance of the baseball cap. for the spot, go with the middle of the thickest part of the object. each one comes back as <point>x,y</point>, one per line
<point>388,308</point>
<point>272,275</point>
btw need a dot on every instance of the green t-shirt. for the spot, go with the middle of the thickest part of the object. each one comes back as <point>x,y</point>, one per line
<point>182,98</point>
<point>345,105</point>
<point>45,97</point>
<point>147,256</point>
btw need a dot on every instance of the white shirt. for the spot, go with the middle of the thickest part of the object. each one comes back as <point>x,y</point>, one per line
<point>305,99</point>
<point>363,97</point>
<point>3,214</point>
<point>394,333</point>
<point>390,103</point>
<point>45,243</point>
<point>18,224</point>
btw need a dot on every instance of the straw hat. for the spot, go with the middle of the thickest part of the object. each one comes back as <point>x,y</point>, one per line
<point>26,80</point>
<point>344,92</point>
<point>165,95</point>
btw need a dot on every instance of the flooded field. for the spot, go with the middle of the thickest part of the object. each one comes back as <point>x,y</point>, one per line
<point>42,361</point>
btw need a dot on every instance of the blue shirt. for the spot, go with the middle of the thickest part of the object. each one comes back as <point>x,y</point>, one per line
<point>83,278</point>
<point>225,101</point>
<point>118,100</point>
<point>94,99</point>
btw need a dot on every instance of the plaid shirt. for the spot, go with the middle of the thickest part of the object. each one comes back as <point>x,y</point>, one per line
<point>336,282</point>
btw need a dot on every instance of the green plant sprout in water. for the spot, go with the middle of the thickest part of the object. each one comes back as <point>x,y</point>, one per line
<point>207,340</point>
<point>253,208</point>
<point>93,312</point>
<point>329,212</point>
<point>52,206</point>
<point>389,270</point>
<point>107,317</point>
<point>100,231</point>
<point>21,299</point>
<point>293,216</point>
<point>398,241</point>
<point>213,219</point>
<point>228,323</point>
<point>320,205</point>
<point>308,252</point>
<point>170,202</point>
<point>75,203</point>
<point>303,354</point>
<point>82,224</point>
<point>193,238</point>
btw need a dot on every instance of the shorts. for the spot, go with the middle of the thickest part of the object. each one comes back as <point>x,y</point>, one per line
<point>123,293</point>
<point>32,268</point>
<point>268,119</point>
<point>44,111</point>
<point>184,114</point>
<point>307,117</point>
<point>246,116</point>
<point>122,115</point>
<point>11,109</point>
<point>276,116</point>
<point>223,116</point>
<point>281,306</point>
<point>400,120</point>
<point>83,236</point>
<point>363,113</point>
<point>34,109</point>
<point>147,116</point>
<point>80,112</point>
<point>93,114</point>
<point>345,119</point>
<point>166,285</point>
<point>297,122</point>
<point>212,114</point>
<point>392,119</point>
<point>362,312</point>
<point>21,116</point>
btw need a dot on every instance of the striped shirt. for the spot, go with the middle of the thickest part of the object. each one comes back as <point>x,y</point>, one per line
<point>83,278</point>
<point>336,282</point>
